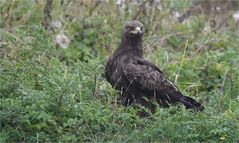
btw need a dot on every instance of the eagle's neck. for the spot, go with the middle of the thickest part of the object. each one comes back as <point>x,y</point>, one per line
<point>132,45</point>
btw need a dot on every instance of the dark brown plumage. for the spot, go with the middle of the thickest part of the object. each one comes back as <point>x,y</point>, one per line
<point>140,81</point>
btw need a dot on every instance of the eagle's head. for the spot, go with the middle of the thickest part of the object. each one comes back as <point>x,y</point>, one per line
<point>133,28</point>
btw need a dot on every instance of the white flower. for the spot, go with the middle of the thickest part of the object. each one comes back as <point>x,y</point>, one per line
<point>158,4</point>
<point>177,14</point>
<point>120,3</point>
<point>56,24</point>
<point>218,8</point>
<point>236,16</point>
<point>207,28</point>
<point>62,40</point>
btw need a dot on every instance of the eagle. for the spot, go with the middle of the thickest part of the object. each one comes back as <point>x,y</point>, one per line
<point>139,81</point>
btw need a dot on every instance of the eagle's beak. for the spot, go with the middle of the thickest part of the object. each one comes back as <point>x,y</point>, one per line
<point>136,31</point>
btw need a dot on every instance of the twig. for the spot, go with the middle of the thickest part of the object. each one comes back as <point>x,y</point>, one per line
<point>141,9</point>
<point>95,86</point>
<point>90,13</point>
<point>223,82</point>
<point>199,49</point>
<point>180,66</point>
<point>203,46</point>
<point>47,14</point>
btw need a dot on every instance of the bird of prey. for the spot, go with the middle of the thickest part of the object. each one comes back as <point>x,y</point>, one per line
<point>139,80</point>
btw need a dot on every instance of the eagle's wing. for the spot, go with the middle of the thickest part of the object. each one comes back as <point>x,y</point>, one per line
<point>148,77</point>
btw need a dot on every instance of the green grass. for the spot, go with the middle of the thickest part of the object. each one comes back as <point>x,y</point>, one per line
<point>49,94</point>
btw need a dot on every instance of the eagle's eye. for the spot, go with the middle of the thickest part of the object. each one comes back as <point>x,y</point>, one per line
<point>131,28</point>
<point>135,30</point>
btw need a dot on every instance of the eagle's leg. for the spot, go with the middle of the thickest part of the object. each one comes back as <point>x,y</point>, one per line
<point>126,98</point>
<point>146,106</point>
<point>162,103</point>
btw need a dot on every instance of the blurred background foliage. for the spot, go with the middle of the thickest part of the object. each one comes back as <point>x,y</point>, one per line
<point>52,87</point>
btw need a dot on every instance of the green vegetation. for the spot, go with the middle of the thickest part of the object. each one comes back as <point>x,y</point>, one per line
<point>50,94</point>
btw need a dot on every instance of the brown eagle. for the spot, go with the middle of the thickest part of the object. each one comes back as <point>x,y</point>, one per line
<point>140,81</point>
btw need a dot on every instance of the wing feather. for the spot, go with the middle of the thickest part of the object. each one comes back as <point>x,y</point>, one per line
<point>147,77</point>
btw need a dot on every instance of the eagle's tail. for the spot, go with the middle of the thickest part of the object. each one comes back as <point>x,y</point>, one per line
<point>177,97</point>
<point>190,103</point>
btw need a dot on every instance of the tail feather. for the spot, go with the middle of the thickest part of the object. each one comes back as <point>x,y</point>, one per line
<point>165,99</point>
<point>190,103</point>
